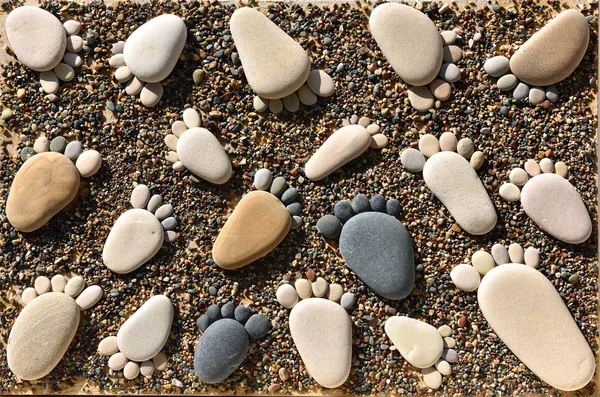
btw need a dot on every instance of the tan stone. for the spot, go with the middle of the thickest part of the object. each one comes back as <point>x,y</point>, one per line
<point>43,186</point>
<point>554,52</point>
<point>41,335</point>
<point>419,343</point>
<point>528,314</point>
<point>258,224</point>
<point>420,98</point>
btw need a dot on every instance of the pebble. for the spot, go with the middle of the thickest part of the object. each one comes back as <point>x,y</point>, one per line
<point>322,332</point>
<point>30,205</point>
<point>452,54</point>
<point>28,295</point>
<point>483,262</point>
<point>306,96</point>
<point>49,82</point>
<point>257,326</point>
<point>140,196</point>
<point>144,334</point>
<point>342,146</point>
<point>448,37</point>
<point>283,374</point>
<point>275,70</point>
<point>497,66</point>
<point>554,52</point>
<point>465,277</point>
<point>556,207</point>
<point>147,368</point>
<point>275,106</point>
<point>561,169</point>
<point>291,102</point>
<point>537,95</point>
<point>432,378</point>
<point>518,176</point>
<point>88,163</point>
<point>419,343</point>
<point>164,211</point>
<point>36,37</point>
<point>373,129</point>
<point>445,330</point>
<point>320,287</point>
<point>571,364</point>
<point>41,145</point>
<point>191,118</point>
<point>134,86</point>
<point>202,154</point>
<point>335,292</point>
<point>117,361</point>
<point>150,94</point>
<point>89,297</point>
<point>420,98</point>
<point>279,186</point>
<point>507,82</point>
<point>329,226</point>
<point>153,49</point>
<point>552,93</point>
<point>449,343</point>
<point>108,346</point>
<point>500,254</point>
<point>449,72</point>
<point>289,195</point>
<point>33,351</point>
<point>413,160</point>
<point>198,76</point>
<point>409,40</point>
<point>546,165</point>
<point>521,91</point>
<point>134,239</point>
<point>320,83</point>
<point>42,285</point>
<point>303,289</point>
<point>154,202</point>
<point>360,203</point>
<point>450,355</point>
<point>246,237</point>
<point>532,257</point>
<point>131,370</point>
<point>64,72</point>
<point>378,141</point>
<point>429,145</point>
<point>160,362</point>
<point>73,150</point>
<point>440,89</point>
<point>58,283</point>
<point>477,160</point>
<point>448,175</point>
<point>378,203</point>
<point>443,367</point>
<point>74,43</point>
<point>347,300</point>
<point>510,192</point>
<point>378,249</point>
<point>74,286</point>
<point>532,167</point>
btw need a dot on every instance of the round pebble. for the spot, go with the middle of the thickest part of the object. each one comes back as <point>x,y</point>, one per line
<point>483,262</point>
<point>516,254</point>
<point>465,277</point>
<point>329,226</point>
<point>413,160</point>
<point>88,163</point>
<point>347,300</point>
<point>510,192</point>
<point>287,296</point>
<point>465,147</point>
<point>546,165</point>
<point>518,176</point>
<point>448,142</point>
<point>429,145</point>
<point>532,167</point>
<point>131,370</point>
<point>432,378</point>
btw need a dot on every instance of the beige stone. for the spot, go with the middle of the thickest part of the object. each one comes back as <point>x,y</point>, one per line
<point>420,98</point>
<point>43,186</point>
<point>41,335</point>
<point>108,346</point>
<point>275,65</point>
<point>554,52</point>
<point>342,146</point>
<point>419,343</point>
<point>258,224</point>
<point>202,154</point>
<point>322,332</point>
<point>528,314</point>
<point>440,89</point>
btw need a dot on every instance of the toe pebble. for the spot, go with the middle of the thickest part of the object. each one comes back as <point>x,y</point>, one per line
<point>532,257</point>
<point>532,167</point>
<point>483,262</point>
<point>319,287</point>
<point>58,283</point>
<point>140,196</point>
<point>287,296</point>
<point>257,326</point>
<point>445,330</point>
<point>191,118</point>
<point>393,207</point>
<point>303,288</point>
<point>263,179</point>
<point>73,150</point>
<point>213,312</point>
<point>151,93</point>
<point>465,147</point>
<point>413,160</point>
<point>89,297</point>
<point>203,322</point>
<point>432,378</point>
<point>160,361</point>
<point>329,226</point>
<point>335,292</point>
<point>448,142</point>
<point>243,313</point>
<point>378,203</point>
<point>561,169</point>
<point>117,361</point>
<point>164,211</point>
<point>41,145</point>
<point>74,286</point>
<point>518,176</point>
<point>108,346</point>
<point>131,370</point>
<point>88,163</point>
<point>28,295</point>
<point>510,192</point>
<point>147,368</point>
<point>42,285</point>
<point>429,145</point>
<point>278,186</point>
<point>465,277</point>
<point>228,310</point>
<point>360,203</point>
<point>443,367</point>
<point>347,300</point>
<point>477,160</point>
<point>289,195</point>
<point>546,165</point>
<point>515,252</point>
<point>154,203</point>
<point>500,254</point>
<point>343,210</point>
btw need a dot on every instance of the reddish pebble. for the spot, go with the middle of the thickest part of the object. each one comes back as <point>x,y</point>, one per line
<point>462,321</point>
<point>310,274</point>
<point>274,387</point>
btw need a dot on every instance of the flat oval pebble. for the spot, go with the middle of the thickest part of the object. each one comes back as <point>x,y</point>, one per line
<point>452,54</point>
<point>108,346</point>
<point>117,361</point>
<point>432,378</point>
<point>454,182</point>
<point>507,82</point>
<point>36,37</point>
<point>72,27</point>
<point>74,286</point>
<point>221,349</point>
<point>41,335</point>
<point>378,248</point>
<point>89,297</point>
<point>131,370</point>
<point>413,160</point>
<point>263,179</point>
<point>304,288</point>
<point>191,118</point>
<point>483,262</point>
<point>500,254</point>
<point>257,225</point>
<point>320,83</point>
<point>341,147</point>
<point>73,150</point>
<point>497,66</point>
<point>409,40</point>
<point>42,187</point>
<point>556,207</point>
<point>322,332</point>
<point>532,257</point>
<point>510,192</point>
<point>64,72</point>
<point>151,93</point>
<point>49,82</point>
<point>260,104</point>
<point>291,102</point>
<point>147,368</point>
<point>540,331</point>
<point>145,333</point>
<point>140,196</point>
<point>41,145</point>
<point>465,277</point>
<point>88,163</point>
<point>307,96</point>
<point>74,43</point>
<point>420,98</point>
<point>554,52</point>
<point>133,240</point>
<point>275,70</point>
<point>521,91</point>
<point>58,283</point>
<point>419,343</point>
<point>440,89</point>
<point>153,49</point>
<point>429,145</point>
<point>450,72</point>
<point>202,154</point>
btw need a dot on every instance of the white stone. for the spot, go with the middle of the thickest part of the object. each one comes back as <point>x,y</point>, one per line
<point>131,370</point>
<point>134,86</point>
<point>465,277</point>
<point>518,176</point>
<point>72,27</point>
<point>49,82</point>
<point>304,288</point>
<point>191,118</point>
<point>58,283</point>
<point>306,96</point>
<point>88,163</point>
<point>260,104</point>
<point>108,346</point>
<point>443,367</point>
<point>429,145</point>
<point>320,287</point>
<point>432,378</point>
<point>123,74</point>
<point>515,253</point>
<point>413,160</point>
<point>145,333</point>
<point>140,196</point>
<point>546,165</point>
<point>74,286</point>
<point>151,93</point>
<point>74,43</point>
<point>117,60</point>
<point>117,361</point>
<point>291,102</point>
<point>28,295</point>
<point>152,51</point>
<point>320,83</point>
<point>483,262</point>
<point>532,257</point>
<point>532,167</point>
<point>64,72</point>
<point>510,192</point>
<point>287,296</point>
<point>42,285</point>
<point>202,154</point>
<point>41,145</point>
<point>89,297</point>
<point>500,254</point>
<point>419,343</point>
<point>448,142</point>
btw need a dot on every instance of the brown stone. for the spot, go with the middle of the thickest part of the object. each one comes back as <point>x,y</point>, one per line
<point>554,52</point>
<point>258,224</point>
<point>44,185</point>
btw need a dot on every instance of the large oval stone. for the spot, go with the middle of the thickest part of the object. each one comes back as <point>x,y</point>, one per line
<point>221,349</point>
<point>528,314</point>
<point>556,207</point>
<point>133,240</point>
<point>275,65</point>
<point>152,51</point>
<point>43,186</point>
<point>378,248</point>
<point>554,52</point>
<point>37,37</point>
<point>145,333</point>
<point>322,332</point>
<point>409,40</point>
<point>202,154</point>
<point>419,343</point>
<point>257,225</point>
<point>454,181</point>
<point>41,335</point>
<point>341,147</point>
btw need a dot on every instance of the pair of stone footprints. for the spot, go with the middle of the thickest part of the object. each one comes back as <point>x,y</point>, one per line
<point>547,197</point>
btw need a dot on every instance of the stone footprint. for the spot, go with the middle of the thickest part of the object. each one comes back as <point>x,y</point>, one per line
<point>528,314</point>
<point>424,347</point>
<point>344,145</point>
<point>259,222</point>
<point>46,326</point>
<point>549,199</point>
<point>139,233</point>
<point>226,335</point>
<point>137,348</point>
<point>451,177</point>
<point>197,150</point>
<point>374,244</point>
<point>321,328</point>
<point>422,57</point>
<point>43,44</point>
<point>48,181</point>
<point>149,56</point>
<point>278,72</point>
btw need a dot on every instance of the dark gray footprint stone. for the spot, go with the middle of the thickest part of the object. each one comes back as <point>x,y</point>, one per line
<point>374,244</point>
<point>227,332</point>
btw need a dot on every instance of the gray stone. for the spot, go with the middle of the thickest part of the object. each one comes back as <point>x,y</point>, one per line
<point>360,203</point>
<point>378,203</point>
<point>552,93</point>
<point>228,310</point>
<point>347,300</point>
<point>263,179</point>
<point>497,66</point>
<point>221,349</point>
<point>378,248</point>
<point>213,312</point>
<point>58,144</point>
<point>243,313</point>
<point>203,322</point>
<point>279,186</point>
<point>154,203</point>
<point>450,72</point>
<point>73,150</point>
<point>296,222</point>
<point>329,226</point>
<point>169,223</point>
<point>257,326</point>
<point>289,195</point>
<point>343,210</point>
<point>521,91</point>
<point>294,208</point>
<point>393,207</point>
<point>164,211</point>
<point>507,82</point>
<point>450,355</point>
